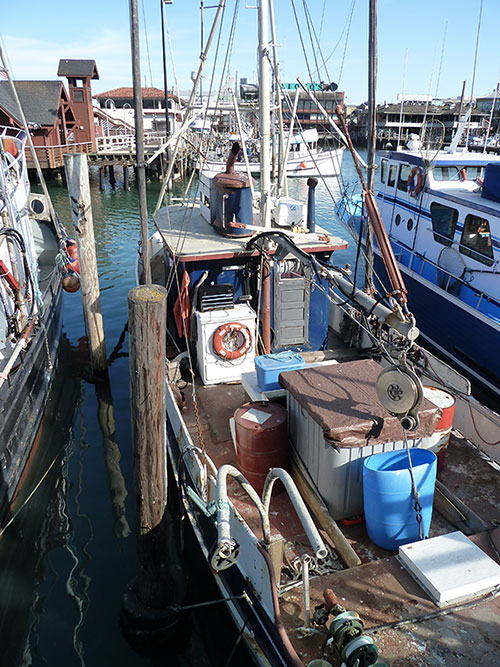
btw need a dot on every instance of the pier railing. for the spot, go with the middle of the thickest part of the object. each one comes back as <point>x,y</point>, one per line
<point>51,157</point>
<point>126,142</point>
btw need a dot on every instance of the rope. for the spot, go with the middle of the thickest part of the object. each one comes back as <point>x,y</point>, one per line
<point>417,506</point>
<point>35,489</point>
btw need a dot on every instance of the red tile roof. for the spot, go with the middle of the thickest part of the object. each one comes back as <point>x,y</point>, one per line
<point>128,94</point>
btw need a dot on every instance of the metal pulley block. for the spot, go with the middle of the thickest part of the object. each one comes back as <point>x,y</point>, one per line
<point>400,391</point>
<point>224,556</point>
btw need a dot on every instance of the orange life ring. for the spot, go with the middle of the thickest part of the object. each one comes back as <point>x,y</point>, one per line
<point>414,186</point>
<point>232,340</point>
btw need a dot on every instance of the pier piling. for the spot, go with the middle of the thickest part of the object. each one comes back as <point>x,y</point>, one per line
<point>77,177</point>
<point>147,599</point>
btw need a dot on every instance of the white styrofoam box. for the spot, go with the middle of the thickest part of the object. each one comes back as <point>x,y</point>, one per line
<point>450,568</point>
<point>288,212</point>
<point>337,472</point>
<point>212,368</point>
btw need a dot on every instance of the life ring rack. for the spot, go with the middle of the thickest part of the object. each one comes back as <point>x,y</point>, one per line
<point>225,335</point>
<point>415,182</point>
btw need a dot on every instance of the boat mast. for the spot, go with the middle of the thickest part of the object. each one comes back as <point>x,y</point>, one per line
<point>139,140</point>
<point>264,114</point>
<point>282,169</point>
<point>371,139</point>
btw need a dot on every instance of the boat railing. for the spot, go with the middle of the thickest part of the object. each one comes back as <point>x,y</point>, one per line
<point>457,285</point>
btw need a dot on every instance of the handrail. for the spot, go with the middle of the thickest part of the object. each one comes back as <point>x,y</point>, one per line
<point>451,276</point>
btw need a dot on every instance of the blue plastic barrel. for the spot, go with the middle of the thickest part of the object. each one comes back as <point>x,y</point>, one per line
<point>388,496</point>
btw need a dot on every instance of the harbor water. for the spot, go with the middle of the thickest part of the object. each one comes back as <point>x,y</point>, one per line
<point>70,551</point>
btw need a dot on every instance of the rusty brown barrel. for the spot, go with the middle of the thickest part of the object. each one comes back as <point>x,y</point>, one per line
<point>262,440</point>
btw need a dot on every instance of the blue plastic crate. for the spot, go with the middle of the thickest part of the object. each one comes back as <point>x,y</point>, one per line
<point>269,366</point>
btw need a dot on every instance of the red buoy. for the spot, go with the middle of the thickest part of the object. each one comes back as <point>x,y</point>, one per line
<point>262,440</point>
<point>72,251</point>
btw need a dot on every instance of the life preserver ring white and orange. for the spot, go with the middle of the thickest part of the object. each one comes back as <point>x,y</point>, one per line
<point>414,184</point>
<point>232,341</point>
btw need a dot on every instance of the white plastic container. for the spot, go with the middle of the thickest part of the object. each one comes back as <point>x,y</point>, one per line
<point>289,212</point>
<point>212,368</point>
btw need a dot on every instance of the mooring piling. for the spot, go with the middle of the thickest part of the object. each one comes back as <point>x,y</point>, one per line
<point>147,604</point>
<point>77,178</point>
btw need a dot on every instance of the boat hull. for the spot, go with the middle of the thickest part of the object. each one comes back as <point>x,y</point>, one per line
<point>23,400</point>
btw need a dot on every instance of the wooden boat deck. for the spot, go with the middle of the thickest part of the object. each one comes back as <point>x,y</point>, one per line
<point>381,591</point>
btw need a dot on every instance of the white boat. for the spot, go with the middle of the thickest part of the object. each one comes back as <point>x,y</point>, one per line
<point>305,158</point>
<point>443,220</point>
<point>30,312</point>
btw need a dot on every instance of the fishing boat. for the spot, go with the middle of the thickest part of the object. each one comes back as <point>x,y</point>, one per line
<point>275,426</point>
<point>33,256</point>
<point>305,158</point>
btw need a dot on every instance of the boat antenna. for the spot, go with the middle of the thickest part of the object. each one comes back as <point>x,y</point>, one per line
<point>402,101</point>
<point>474,70</point>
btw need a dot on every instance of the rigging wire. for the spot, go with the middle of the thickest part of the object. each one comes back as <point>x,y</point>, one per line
<point>147,44</point>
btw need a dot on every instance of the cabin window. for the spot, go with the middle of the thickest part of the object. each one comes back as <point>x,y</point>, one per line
<point>457,173</point>
<point>397,220</point>
<point>409,225</point>
<point>383,171</point>
<point>391,179</point>
<point>404,174</point>
<point>476,240</point>
<point>444,222</point>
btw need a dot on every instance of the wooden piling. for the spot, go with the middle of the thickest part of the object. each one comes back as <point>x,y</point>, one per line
<point>112,179</point>
<point>77,177</point>
<point>126,185</point>
<point>147,311</point>
<point>101,179</point>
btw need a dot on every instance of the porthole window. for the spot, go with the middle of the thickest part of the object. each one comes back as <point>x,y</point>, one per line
<point>397,220</point>
<point>409,225</point>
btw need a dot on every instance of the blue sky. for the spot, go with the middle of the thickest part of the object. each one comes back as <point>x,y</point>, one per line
<point>414,33</point>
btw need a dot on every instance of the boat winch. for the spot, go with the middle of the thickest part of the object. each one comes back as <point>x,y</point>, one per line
<point>400,391</point>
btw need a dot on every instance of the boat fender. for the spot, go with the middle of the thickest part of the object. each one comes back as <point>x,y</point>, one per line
<point>71,282</point>
<point>227,336</point>
<point>72,251</point>
<point>303,165</point>
<point>415,182</point>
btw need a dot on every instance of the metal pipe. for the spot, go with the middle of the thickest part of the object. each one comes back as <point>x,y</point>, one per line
<point>311,205</point>
<point>305,589</point>
<point>299,506</point>
<point>226,543</point>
